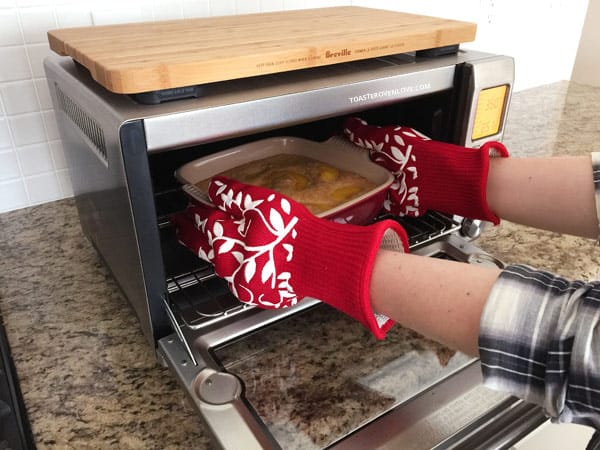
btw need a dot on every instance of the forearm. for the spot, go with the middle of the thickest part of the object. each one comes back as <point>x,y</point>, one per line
<point>553,193</point>
<point>444,299</point>
<point>440,299</point>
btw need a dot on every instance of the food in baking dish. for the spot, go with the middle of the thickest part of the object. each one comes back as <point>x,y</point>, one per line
<point>317,185</point>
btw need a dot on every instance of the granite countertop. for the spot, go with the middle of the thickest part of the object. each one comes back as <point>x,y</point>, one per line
<point>89,377</point>
<point>557,119</point>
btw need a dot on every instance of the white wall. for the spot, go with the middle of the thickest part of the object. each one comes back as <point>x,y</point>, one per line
<point>587,64</point>
<point>542,35</point>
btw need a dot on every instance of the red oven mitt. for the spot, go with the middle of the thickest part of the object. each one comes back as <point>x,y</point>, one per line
<point>273,252</point>
<point>429,174</point>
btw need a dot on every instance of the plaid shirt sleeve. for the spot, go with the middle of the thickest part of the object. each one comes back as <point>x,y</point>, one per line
<point>539,339</point>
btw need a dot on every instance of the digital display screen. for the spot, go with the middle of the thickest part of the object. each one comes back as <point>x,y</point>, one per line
<point>489,112</point>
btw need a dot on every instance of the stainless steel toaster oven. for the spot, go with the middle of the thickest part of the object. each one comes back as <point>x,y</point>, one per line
<point>304,377</point>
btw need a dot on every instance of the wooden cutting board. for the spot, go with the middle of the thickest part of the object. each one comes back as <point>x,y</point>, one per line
<point>142,57</point>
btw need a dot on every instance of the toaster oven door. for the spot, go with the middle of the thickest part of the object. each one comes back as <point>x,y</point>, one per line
<point>317,379</point>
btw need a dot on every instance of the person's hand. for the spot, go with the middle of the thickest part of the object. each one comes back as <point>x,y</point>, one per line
<point>429,174</point>
<point>273,252</point>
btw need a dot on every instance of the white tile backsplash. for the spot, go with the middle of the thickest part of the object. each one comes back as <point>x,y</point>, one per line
<point>15,65</point>
<point>147,12</point>
<point>247,6</point>
<point>167,10</point>
<point>27,129</point>
<point>64,181</point>
<point>51,125</point>
<point>36,22</point>
<point>10,32</point>
<point>36,54</point>
<point>35,159</point>
<point>271,5</point>
<point>19,97</point>
<point>32,162</point>
<point>222,8</point>
<point>125,15</point>
<point>5,140</point>
<point>58,155</point>
<point>196,8</point>
<point>13,195</point>
<point>43,188</point>
<point>43,93</point>
<point>9,166</point>
<point>289,5</point>
<point>29,3</point>
<point>73,16</point>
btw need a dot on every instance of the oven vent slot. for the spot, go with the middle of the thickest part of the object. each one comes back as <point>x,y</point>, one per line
<point>86,124</point>
<point>200,298</point>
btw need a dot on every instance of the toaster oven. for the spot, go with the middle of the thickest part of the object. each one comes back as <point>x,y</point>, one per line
<point>307,376</point>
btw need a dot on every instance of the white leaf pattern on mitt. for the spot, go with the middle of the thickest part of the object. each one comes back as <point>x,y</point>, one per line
<point>290,251</point>
<point>226,247</point>
<point>218,229</point>
<point>276,220</point>
<point>278,231</point>
<point>249,269</point>
<point>391,151</point>
<point>268,271</point>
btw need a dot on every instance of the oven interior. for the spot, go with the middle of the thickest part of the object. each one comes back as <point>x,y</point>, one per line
<point>197,296</point>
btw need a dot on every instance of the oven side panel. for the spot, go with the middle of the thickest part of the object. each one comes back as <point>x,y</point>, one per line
<point>89,131</point>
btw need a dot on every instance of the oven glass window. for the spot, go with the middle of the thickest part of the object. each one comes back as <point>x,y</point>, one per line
<point>334,376</point>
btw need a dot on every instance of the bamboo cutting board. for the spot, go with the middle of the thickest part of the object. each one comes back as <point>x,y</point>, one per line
<point>142,57</point>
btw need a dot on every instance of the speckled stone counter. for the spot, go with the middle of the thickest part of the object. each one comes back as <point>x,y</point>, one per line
<point>558,119</point>
<point>90,379</point>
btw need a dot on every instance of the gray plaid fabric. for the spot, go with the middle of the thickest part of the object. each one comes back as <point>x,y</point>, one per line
<point>596,172</point>
<point>539,339</point>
